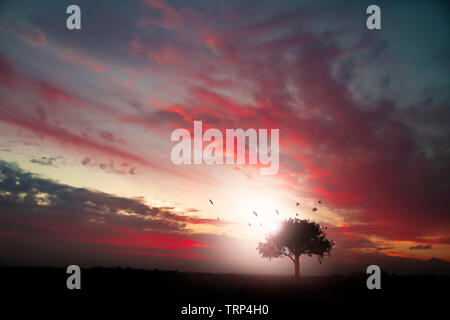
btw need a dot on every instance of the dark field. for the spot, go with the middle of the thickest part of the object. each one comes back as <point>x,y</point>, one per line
<point>157,294</point>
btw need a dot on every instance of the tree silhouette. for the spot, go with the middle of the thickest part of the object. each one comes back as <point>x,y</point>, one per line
<point>296,237</point>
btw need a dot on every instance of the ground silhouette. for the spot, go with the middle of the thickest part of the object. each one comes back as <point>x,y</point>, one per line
<point>153,292</point>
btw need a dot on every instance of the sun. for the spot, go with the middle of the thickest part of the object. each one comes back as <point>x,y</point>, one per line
<point>274,227</point>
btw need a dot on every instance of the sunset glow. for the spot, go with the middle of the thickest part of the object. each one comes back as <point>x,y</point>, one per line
<point>86,120</point>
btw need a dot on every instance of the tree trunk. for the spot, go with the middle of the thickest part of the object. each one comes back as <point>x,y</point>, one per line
<point>297,267</point>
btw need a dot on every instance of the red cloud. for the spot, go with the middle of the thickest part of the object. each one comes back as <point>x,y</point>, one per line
<point>76,141</point>
<point>10,79</point>
<point>74,58</point>
<point>33,36</point>
<point>170,17</point>
<point>358,156</point>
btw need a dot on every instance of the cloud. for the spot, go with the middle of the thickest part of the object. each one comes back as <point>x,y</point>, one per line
<point>36,213</point>
<point>45,161</point>
<point>85,161</point>
<point>354,133</point>
<point>361,155</point>
<point>75,58</point>
<point>11,79</point>
<point>170,17</point>
<point>74,207</point>
<point>421,247</point>
<point>33,36</point>
<point>111,167</point>
<point>107,136</point>
<point>64,135</point>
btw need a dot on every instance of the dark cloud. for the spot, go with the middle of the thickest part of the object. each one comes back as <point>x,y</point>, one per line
<point>107,135</point>
<point>45,161</point>
<point>61,204</point>
<point>123,168</point>
<point>421,247</point>
<point>38,216</point>
<point>85,161</point>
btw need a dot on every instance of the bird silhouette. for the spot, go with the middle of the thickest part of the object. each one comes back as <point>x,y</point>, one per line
<point>314,209</point>
<point>211,201</point>
<point>297,204</point>
<point>320,201</point>
<point>255,213</point>
<point>277,212</point>
<point>296,214</point>
<point>249,224</point>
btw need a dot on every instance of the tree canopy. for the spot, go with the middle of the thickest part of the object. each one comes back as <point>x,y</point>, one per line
<point>295,238</point>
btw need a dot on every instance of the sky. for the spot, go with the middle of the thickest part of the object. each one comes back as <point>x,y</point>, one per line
<point>86,118</point>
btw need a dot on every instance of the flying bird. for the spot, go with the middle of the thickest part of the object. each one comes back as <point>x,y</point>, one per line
<point>314,209</point>
<point>297,204</point>
<point>320,201</point>
<point>296,214</point>
<point>255,213</point>
<point>249,224</point>
<point>211,201</point>
<point>277,212</point>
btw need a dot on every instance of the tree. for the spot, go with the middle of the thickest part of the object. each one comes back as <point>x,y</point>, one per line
<point>296,237</point>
